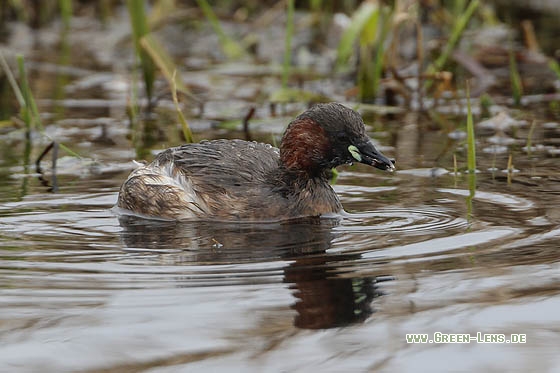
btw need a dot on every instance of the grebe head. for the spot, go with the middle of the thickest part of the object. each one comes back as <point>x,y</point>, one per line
<point>327,136</point>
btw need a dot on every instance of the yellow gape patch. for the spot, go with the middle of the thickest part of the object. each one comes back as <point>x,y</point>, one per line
<point>355,153</point>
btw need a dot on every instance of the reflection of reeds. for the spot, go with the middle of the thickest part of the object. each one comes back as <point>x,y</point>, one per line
<point>470,197</point>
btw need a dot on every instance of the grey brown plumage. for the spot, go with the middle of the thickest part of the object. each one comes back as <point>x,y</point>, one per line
<point>241,180</point>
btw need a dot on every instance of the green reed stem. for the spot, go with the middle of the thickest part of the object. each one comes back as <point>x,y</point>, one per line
<point>455,169</point>
<point>367,13</point>
<point>456,33</point>
<point>509,168</point>
<point>469,199</point>
<point>187,133</point>
<point>163,61</point>
<point>24,96</point>
<point>315,5</point>
<point>380,52</point>
<point>29,111</point>
<point>139,23</point>
<point>12,80</point>
<point>471,153</point>
<point>515,78</point>
<point>288,44</point>
<point>65,12</point>
<point>530,137</point>
<point>554,66</point>
<point>229,46</point>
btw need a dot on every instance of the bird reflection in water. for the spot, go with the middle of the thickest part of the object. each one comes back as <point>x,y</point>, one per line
<point>324,298</point>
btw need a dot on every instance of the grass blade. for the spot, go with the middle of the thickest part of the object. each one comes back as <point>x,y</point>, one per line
<point>530,138</point>
<point>163,61</point>
<point>29,111</point>
<point>456,33</point>
<point>470,197</point>
<point>184,124</point>
<point>554,66</point>
<point>360,19</point>
<point>380,52</point>
<point>12,80</point>
<point>65,12</point>
<point>288,45</point>
<point>471,149</point>
<point>515,79</point>
<point>28,107</point>
<point>229,46</point>
<point>140,28</point>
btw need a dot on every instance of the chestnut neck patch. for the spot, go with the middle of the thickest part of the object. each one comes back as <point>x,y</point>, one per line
<point>305,146</point>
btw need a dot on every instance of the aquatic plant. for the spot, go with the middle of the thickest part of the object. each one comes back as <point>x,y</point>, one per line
<point>65,7</point>
<point>530,137</point>
<point>471,149</point>
<point>486,103</point>
<point>288,44</point>
<point>455,169</point>
<point>470,197</point>
<point>515,79</point>
<point>28,108</point>
<point>471,155</point>
<point>554,66</point>
<point>13,83</point>
<point>163,61</point>
<point>229,46</point>
<point>367,13</point>
<point>187,133</point>
<point>509,168</point>
<point>370,26</point>
<point>285,93</point>
<point>140,28</point>
<point>459,27</point>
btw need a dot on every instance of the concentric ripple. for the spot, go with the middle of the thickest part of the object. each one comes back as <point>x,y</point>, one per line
<point>410,221</point>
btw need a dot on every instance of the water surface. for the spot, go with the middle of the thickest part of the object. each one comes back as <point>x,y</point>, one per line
<point>419,251</point>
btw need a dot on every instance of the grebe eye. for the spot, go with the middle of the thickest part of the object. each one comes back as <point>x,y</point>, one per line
<point>342,137</point>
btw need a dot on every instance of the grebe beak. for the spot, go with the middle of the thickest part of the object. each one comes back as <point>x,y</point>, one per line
<point>366,153</point>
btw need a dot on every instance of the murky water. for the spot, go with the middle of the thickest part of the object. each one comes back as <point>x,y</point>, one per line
<point>423,250</point>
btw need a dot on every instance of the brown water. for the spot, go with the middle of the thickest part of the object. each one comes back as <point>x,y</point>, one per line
<point>422,250</point>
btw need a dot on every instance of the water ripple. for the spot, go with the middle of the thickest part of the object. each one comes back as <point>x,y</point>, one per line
<point>411,221</point>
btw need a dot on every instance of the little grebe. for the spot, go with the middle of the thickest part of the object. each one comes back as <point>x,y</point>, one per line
<point>241,180</point>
